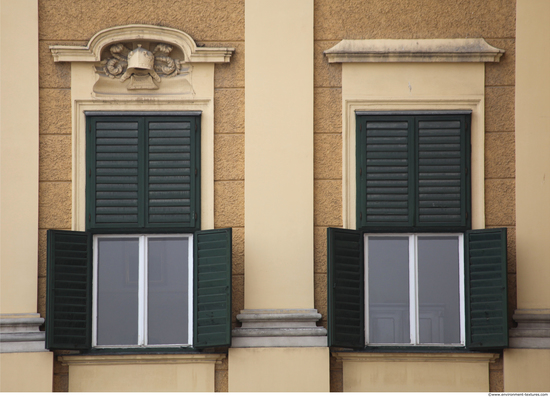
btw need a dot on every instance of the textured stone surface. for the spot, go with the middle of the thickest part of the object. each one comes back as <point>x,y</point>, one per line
<point>409,19</point>
<point>228,157</point>
<point>325,74</point>
<point>496,378</point>
<point>229,75</point>
<point>229,110</point>
<point>320,254</point>
<point>500,202</point>
<point>41,303</point>
<point>499,109</point>
<point>502,72</point>
<point>328,110</point>
<point>221,377</point>
<point>328,156</point>
<point>320,294</point>
<point>512,299</point>
<point>54,74</point>
<point>55,111</point>
<point>237,297</point>
<point>202,19</point>
<point>228,204</point>
<point>500,155</point>
<point>238,250</point>
<point>336,376</point>
<point>42,252</point>
<point>55,158</point>
<point>54,211</point>
<point>328,203</point>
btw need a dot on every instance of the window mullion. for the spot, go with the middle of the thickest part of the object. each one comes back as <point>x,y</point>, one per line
<point>413,289</point>
<point>142,292</point>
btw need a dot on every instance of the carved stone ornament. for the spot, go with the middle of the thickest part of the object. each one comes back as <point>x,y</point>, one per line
<point>144,68</point>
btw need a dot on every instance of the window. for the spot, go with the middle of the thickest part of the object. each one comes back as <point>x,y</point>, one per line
<point>413,274</point>
<point>143,274</point>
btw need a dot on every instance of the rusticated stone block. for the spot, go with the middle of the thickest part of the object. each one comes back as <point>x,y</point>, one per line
<point>81,19</point>
<point>221,377</point>
<point>229,110</point>
<point>228,157</point>
<point>55,111</point>
<point>512,298</point>
<point>60,383</point>
<point>42,296</point>
<point>502,72</point>
<point>55,158</point>
<point>42,252</point>
<point>54,74</point>
<point>328,156</point>
<point>230,75</point>
<point>336,375</point>
<point>325,74</point>
<point>328,203</point>
<point>228,204</point>
<point>238,250</point>
<point>496,381</point>
<point>500,155</point>
<point>499,109</point>
<point>320,294</point>
<point>328,110</point>
<point>500,202</point>
<point>320,249</point>
<point>237,296</point>
<point>54,211</point>
<point>405,19</point>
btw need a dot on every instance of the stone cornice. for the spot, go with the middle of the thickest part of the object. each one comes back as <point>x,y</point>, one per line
<point>125,359</point>
<point>416,357</point>
<point>92,51</point>
<point>425,50</point>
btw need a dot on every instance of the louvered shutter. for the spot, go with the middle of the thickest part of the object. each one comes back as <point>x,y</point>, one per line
<point>385,174</point>
<point>346,288</point>
<point>443,180</point>
<point>69,290</point>
<point>486,289</point>
<point>212,288</point>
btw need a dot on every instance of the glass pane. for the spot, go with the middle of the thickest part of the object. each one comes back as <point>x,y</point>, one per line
<point>438,290</point>
<point>117,291</point>
<point>168,291</point>
<point>388,289</point>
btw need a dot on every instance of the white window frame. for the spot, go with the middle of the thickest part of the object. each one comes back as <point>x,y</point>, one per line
<point>142,289</point>
<point>413,287</point>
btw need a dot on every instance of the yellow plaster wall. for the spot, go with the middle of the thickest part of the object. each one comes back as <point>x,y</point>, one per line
<point>532,153</point>
<point>279,154</point>
<point>279,369</point>
<point>527,370</point>
<point>26,372</point>
<point>18,156</point>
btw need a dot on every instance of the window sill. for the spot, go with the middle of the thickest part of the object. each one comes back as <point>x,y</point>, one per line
<point>462,357</point>
<point>112,358</point>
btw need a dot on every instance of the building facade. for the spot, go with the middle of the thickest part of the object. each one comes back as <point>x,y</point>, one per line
<point>252,195</point>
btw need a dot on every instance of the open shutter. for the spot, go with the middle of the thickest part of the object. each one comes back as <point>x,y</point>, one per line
<point>346,288</point>
<point>212,288</point>
<point>385,174</point>
<point>69,290</point>
<point>486,289</point>
<point>443,178</point>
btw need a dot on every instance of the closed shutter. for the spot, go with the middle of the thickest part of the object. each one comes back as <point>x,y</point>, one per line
<point>486,289</point>
<point>69,290</point>
<point>212,288</point>
<point>143,172</point>
<point>346,288</point>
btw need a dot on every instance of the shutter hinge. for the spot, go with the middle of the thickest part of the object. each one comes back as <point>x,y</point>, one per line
<point>196,216</point>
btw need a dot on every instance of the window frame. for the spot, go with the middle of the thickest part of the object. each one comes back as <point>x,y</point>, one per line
<point>142,290</point>
<point>414,319</point>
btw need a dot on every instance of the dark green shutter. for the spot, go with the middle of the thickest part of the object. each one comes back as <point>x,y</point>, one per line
<point>69,290</point>
<point>443,178</point>
<point>486,289</point>
<point>346,288</point>
<point>143,172</point>
<point>212,288</point>
<point>385,176</point>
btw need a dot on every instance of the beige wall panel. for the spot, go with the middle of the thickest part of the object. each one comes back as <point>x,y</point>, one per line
<point>26,372</point>
<point>532,159</point>
<point>499,109</point>
<point>55,158</point>
<point>18,155</point>
<point>416,376</point>
<point>500,155</point>
<point>55,111</point>
<point>279,369</point>
<point>403,19</point>
<point>81,19</point>
<point>526,370</point>
<point>279,155</point>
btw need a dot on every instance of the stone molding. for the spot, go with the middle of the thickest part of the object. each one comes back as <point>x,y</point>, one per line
<point>93,50</point>
<point>279,328</point>
<point>465,357</point>
<point>21,334</point>
<point>533,330</point>
<point>412,50</point>
<point>128,359</point>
